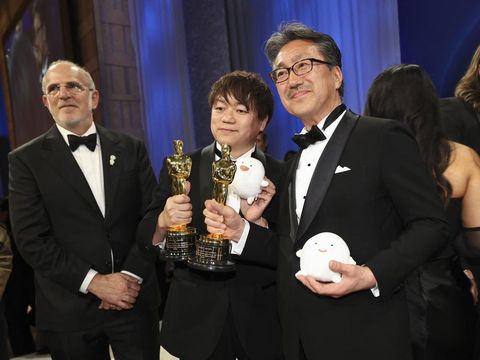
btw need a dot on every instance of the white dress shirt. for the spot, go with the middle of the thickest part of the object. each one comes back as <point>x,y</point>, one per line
<point>308,162</point>
<point>90,162</point>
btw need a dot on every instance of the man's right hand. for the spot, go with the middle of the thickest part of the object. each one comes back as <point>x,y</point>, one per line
<point>117,289</point>
<point>222,219</point>
<point>177,210</point>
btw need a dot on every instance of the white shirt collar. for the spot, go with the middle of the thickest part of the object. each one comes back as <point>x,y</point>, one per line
<point>244,155</point>
<point>328,129</point>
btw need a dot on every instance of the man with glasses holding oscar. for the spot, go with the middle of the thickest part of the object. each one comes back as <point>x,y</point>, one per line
<point>77,194</point>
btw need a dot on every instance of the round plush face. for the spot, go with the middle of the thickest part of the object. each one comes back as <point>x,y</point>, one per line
<point>248,177</point>
<point>327,245</point>
<point>317,253</point>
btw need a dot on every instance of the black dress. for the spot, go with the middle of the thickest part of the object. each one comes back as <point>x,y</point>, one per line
<point>440,305</point>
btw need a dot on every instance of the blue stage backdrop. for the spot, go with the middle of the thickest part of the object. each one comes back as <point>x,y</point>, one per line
<point>164,81</point>
<point>441,36</point>
<point>366,32</point>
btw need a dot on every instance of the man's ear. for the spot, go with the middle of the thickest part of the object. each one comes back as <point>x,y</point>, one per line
<point>263,124</point>
<point>95,98</point>
<point>45,100</point>
<point>337,73</point>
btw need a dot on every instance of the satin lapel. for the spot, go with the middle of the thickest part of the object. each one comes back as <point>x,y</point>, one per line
<point>60,158</point>
<point>325,170</point>
<point>206,160</point>
<point>292,201</point>
<point>112,165</point>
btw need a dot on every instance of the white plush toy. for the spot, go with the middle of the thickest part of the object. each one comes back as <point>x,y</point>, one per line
<point>248,179</point>
<point>317,253</point>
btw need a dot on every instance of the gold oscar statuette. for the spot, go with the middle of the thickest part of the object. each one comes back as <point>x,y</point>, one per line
<point>180,239</point>
<point>212,251</point>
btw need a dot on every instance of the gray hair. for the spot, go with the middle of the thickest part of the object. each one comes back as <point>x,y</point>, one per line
<point>290,31</point>
<point>91,83</point>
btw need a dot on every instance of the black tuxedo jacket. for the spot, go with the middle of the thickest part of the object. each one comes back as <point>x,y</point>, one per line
<point>460,122</point>
<point>198,301</point>
<point>388,212</point>
<point>61,232</point>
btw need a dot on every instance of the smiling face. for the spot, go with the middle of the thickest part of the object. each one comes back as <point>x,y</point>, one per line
<point>233,124</point>
<point>311,96</point>
<point>71,110</point>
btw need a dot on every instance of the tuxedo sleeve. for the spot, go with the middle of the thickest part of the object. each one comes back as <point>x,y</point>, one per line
<point>32,231</point>
<point>148,224</point>
<point>412,191</point>
<point>136,262</point>
<point>261,246</point>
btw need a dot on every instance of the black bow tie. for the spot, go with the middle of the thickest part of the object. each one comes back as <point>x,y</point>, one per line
<point>315,134</point>
<point>89,141</point>
<point>311,137</point>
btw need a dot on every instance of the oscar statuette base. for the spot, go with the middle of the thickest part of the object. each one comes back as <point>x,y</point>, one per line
<point>179,243</point>
<point>212,253</point>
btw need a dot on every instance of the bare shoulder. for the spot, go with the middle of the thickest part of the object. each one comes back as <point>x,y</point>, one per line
<point>463,156</point>
<point>463,170</point>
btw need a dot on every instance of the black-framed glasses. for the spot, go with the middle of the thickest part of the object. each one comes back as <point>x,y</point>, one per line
<point>299,68</point>
<point>72,87</point>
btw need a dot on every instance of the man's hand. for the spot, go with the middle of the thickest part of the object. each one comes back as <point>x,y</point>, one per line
<point>222,219</point>
<point>116,290</point>
<point>253,213</point>
<point>354,278</point>
<point>177,210</point>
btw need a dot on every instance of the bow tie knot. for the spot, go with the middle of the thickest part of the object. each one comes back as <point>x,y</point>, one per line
<point>309,138</point>
<point>315,134</point>
<point>89,141</point>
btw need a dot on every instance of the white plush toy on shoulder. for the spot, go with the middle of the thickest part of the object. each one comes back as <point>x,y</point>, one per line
<point>317,253</point>
<point>248,179</point>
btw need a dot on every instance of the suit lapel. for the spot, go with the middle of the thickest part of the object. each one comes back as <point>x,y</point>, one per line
<point>324,171</point>
<point>61,160</point>
<point>112,165</point>
<point>292,214</point>
<point>207,158</point>
<point>260,156</point>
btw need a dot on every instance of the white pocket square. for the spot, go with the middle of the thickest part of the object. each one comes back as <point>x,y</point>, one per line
<point>341,169</point>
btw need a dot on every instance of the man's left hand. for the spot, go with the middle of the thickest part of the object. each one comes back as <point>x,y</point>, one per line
<point>253,212</point>
<point>354,278</point>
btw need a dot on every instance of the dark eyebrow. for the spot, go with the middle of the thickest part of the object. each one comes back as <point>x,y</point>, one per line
<point>294,60</point>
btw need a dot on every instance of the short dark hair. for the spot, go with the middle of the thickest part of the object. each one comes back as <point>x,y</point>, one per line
<point>290,31</point>
<point>249,89</point>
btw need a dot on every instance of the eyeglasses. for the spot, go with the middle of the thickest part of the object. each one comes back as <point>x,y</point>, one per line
<point>71,87</point>
<point>299,68</point>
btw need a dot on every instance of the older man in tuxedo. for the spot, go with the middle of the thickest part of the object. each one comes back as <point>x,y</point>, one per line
<point>77,194</point>
<point>359,177</point>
